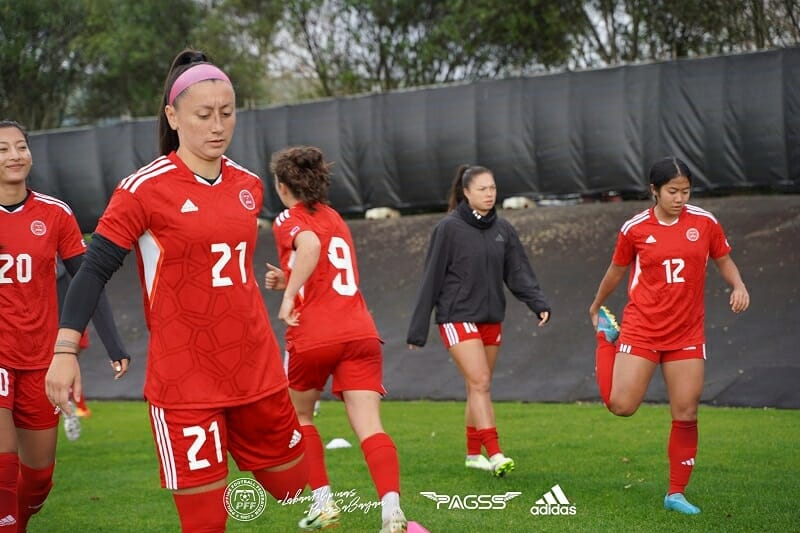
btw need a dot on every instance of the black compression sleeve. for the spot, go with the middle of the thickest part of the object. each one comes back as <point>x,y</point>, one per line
<point>101,260</point>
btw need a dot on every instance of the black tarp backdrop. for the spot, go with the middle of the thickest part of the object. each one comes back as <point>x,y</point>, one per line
<point>734,119</point>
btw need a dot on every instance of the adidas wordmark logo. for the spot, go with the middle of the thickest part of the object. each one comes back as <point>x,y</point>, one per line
<point>189,207</point>
<point>554,502</point>
<point>650,240</point>
<point>7,521</point>
<point>296,436</point>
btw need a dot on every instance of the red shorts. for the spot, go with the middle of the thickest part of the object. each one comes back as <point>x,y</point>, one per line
<point>454,332</point>
<point>697,351</point>
<point>22,393</point>
<point>354,365</point>
<point>193,444</point>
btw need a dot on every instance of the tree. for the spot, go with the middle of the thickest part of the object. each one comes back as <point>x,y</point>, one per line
<point>128,46</point>
<point>40,64</point>
<point>360,45</point>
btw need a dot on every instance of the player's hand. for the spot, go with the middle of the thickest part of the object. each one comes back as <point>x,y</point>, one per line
<point>544,316</point>
<point>287,312</point>
<point>64,374</point>
<point>740,299</point>
<point>120,367</point>
<point>413,347</point>
<point>594,316</point>
<point>274,279</point>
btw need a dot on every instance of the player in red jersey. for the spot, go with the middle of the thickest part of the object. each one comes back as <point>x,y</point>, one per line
<point>667,247</point>
<point>34,229</point>
<point>214,379</point>
<point>330,333</point>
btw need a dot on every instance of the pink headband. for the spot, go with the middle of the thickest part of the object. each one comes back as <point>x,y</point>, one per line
<point>192,75</point>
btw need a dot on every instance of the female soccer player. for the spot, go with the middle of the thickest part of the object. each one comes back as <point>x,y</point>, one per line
<point>668,246</point>
<point>34,229</point>
<point>471,254</point>
<point>330,331</point>
<point>214,380</point>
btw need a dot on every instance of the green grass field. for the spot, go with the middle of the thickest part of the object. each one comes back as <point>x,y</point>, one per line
<point>612,470</point>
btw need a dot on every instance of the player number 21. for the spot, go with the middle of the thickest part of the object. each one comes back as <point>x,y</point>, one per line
<point>673,268</point>
<point>199,435</point>
<point>217,279</point>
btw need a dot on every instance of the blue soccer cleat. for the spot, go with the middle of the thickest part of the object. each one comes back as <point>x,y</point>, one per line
<point>677,502</point>
<point>607,324</point>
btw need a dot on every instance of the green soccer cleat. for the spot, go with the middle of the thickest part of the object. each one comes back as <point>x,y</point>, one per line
<point>607,324</point>
<point>324,518</point>
<point>501,465</point>
<point>677,502</point>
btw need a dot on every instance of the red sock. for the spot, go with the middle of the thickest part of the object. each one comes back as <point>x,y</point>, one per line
<point>490,440</point>
<point>9,470</point>
<point>202,512</point>
<point>80,402</point>
<point>380,454</point>
<point>473,441</point>
<point>284,483</point>
<point>605,356</point>
<point>682,451</point>
<point>33,487</point>
<point>315,456</point>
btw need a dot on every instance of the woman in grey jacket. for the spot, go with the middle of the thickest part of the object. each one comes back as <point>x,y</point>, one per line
<point>472,253</point>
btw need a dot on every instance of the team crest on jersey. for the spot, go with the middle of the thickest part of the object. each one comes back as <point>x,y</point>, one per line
<point>38,228</point>
<point>247,199</point>
<point>692,234</point>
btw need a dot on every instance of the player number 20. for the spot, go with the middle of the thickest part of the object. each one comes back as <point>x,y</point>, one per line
<point>21,265</point>
<point>217,279</point>
<point>673,269</point>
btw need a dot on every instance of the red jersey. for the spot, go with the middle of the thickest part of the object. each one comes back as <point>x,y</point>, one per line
<point>30,237</point>
<point>211,344</point>
<point>331,305</point>
<point>666,309</point>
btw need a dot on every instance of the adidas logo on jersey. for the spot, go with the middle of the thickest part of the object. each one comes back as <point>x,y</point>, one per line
<point>499,238</point>
<point>7,521</point>
<point>189,207</point>
<point>650,240</point>
<point>553,502</point>
<point>296,436</point>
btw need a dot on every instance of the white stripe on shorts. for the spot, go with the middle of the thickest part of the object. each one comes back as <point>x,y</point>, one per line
<point>164,447</point>
<point>452,333</point>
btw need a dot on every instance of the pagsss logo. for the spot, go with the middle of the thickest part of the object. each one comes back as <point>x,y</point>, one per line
<point>245,499</point>
<point>553,502</point>
<point>471,502</point>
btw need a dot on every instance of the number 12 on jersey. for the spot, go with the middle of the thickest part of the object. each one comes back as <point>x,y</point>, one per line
<point>673,269</point>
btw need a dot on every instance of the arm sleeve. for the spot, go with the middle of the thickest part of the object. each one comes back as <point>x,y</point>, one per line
<point>432,279</point>
<point>519,277</point>
<point>101,260</point>
<point>103,318</point>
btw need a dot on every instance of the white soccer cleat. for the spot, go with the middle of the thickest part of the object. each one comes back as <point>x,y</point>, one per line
<point>478,462</point>
<point>501,465</point>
